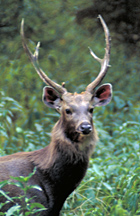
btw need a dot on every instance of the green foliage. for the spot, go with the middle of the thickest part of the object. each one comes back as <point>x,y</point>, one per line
<point>112,184</point>
<point>26,208</point>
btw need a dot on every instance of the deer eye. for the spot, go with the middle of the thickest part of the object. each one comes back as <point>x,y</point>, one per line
<point>68,111</point>
<point>91,110</point>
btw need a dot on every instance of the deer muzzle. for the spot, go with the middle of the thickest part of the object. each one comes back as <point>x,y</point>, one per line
<point>85,128</point>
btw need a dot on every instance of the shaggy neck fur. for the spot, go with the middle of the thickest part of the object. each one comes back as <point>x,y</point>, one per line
<point>63,145</point>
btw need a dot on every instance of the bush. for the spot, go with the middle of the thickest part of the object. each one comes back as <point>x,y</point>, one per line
<point>26,208</point>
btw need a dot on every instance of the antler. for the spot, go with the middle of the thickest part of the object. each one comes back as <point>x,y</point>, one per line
<point>34,60</point>
<point>104,62</point>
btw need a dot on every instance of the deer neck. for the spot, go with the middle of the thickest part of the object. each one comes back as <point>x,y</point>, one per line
<point>63,146</point>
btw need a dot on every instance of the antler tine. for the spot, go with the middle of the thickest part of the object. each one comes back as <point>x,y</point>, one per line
<point>104,62</point>
<point>34,59</point>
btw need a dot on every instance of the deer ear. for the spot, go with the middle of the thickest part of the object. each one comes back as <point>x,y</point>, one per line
<point>103,95</point>
<point>51,98</point>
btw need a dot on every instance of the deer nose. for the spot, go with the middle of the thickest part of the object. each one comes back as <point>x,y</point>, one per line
<point>85,128</point>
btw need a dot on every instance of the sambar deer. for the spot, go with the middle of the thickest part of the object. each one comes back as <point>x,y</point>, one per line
<point>62,164</point>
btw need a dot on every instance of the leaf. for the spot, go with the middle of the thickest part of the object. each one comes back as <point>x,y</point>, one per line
<point>96,169</point>
<point>119,102</point>
<point>37,205</point>
<point>5,195</point>
<point>36,187</point>
<point>8,119</point>
<point>3,183</point>
<point>107,186</point>
<point>12,210</point>
<point>19,130</point>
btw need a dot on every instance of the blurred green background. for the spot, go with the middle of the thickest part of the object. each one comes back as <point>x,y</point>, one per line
<point>66,28</point>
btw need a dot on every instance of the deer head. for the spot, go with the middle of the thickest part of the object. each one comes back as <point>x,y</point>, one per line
<point>75,109</point>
